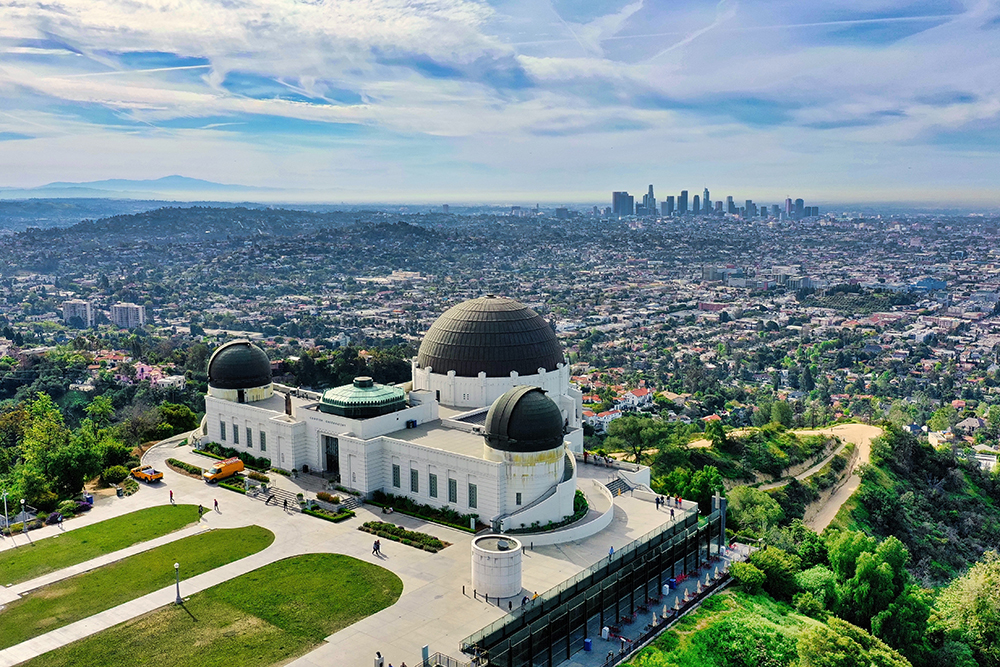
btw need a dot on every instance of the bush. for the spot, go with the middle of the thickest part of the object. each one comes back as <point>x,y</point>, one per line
<point>805,603</point>
<point>400,534</point>
<point>214,449</point>
<point>443,515</point>
<point>114,475</point>
<point>748,576</point>
<point>780,569</point>
<point>328,498</point>
<point>259,477</point>
<point>330,516</point>
<point>130,486</point>
<point>67,507</point>
<point>232,487</point>
<point>186,467</point>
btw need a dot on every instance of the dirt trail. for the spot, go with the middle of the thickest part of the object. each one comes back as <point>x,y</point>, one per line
<point>861,435</point>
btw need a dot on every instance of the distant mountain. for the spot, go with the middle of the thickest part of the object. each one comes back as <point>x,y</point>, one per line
<point>178,188</point>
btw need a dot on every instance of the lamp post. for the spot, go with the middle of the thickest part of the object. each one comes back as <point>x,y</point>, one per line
<point>177,576</point>
<point>24,524</point>
<point>6,518</point>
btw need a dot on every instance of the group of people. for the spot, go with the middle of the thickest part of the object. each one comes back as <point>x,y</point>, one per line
<point>379,661</point>
<point>377,548</point>
<point>673,502</point>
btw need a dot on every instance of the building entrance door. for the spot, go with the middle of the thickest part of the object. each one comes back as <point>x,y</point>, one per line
<point>332,448</point>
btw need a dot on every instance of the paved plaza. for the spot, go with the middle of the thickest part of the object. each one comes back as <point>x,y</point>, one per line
<point>433,610</point>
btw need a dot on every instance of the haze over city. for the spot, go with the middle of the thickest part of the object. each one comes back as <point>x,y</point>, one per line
<point>553,101</point>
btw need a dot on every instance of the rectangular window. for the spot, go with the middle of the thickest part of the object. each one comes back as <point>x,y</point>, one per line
<point>452,491</point>
<point>518,499</point>
<point>222,430</point>
<point>249,437</point>
<point>414,482</point>
<point>432,485</point>
<point>395,475</point>
<point>472,496</point>
<point>236,434</point>
<point>263,441</point>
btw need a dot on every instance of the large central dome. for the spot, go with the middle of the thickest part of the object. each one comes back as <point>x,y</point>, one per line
<point>492,334</point>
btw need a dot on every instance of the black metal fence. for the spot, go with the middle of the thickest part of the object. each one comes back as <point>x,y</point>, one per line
<point>609,593</point>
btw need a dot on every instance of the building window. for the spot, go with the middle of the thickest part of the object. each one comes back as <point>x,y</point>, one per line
<point>518,498</point>
<point>249,438</point>
<point>473,500</point>
<point>452,491</point>
<point>222,430</point>
<point>395,475</point>
<point>236,434</point>
<point>263,441</point>
<point>414,482</point>
<point>432,485</point>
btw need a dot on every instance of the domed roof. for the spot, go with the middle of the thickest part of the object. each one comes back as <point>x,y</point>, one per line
<point>239,364</point>
<point>492,334</point>
<point>524,420</point>
<point>362,399</point>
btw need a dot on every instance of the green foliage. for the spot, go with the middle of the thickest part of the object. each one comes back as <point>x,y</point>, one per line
<point>281,610</point>
<point>335,517</point>
<point>903,625</point>
<point>969,609</point>
<point>186,467</point>
<point>259,477</point>
<point>844,549</point>
<point>781,413</point>
<point>820,582</point>
<point>114,475</point>
<point>840,644</point>
<point>400,534</point>
<point>178,418</point>
<point>635,434</point>
<point>779,568</point>
<point>443,515</point>
<point>750,578</point>
<point>752,510</point>
<point>221,452</point>
<point>699,486</point>
<point>83,595</point>
<point>746,641</point>
<point>805,603</point>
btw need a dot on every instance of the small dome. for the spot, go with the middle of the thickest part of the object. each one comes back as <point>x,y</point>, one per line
<point>239,364</point>
<point>524,420</point>
<point>362,399</point>
<point>491,334</point>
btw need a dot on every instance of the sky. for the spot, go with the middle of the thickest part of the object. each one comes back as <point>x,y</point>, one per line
<point>556,101</point>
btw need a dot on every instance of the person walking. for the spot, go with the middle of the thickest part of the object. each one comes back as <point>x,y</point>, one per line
<point>171,496</point>
<point>671,512</point>
<point>216,501</point>
<point>201,510</point>
<point>286,504</point>
<point>611,551</point>
<point>374,547</point>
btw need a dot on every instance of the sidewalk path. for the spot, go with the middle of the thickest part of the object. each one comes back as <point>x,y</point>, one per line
<point>861,434</point>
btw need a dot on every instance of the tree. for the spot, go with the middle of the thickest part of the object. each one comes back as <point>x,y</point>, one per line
<point>748,576</point>
<point>903,625</point>
<point>970,609</point>
<point>844,549</point>
<point>100,410</point>
<point>753,509</point>
<point>869,591</point>
<point>780,568</point>
<point>840,644</point>
<point>806,382</point>
<point>179,417</point>
<point>635,434</point>
<point>715,432</point>
<point>943,419</point>
<point>781,413</point>
<point>821,582</point>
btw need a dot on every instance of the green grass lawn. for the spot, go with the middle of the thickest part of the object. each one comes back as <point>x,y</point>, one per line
<point>76,546</point>
<point>69,600</point>
<point>264,617</point>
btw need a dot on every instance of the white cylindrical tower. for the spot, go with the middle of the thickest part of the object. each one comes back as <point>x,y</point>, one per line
<point>496,566</point>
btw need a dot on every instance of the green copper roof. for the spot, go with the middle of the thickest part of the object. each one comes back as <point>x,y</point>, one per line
<point>491,334</point>
<point>524,420</point>
<point>363,399</point>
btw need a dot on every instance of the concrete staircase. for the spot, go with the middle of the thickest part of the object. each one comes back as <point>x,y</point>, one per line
<point>618,485</point>
<point>276,497</point>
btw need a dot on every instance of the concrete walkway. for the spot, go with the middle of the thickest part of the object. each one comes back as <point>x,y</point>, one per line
<point>432,609</point>
<point>862,434</point>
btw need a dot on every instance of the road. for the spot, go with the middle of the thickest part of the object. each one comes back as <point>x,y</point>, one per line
<point>860,434</point>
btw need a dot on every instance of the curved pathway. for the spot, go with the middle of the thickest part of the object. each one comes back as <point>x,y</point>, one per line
<point>862,435</point>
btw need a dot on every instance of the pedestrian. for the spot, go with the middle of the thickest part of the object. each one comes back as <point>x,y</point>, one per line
<point>375,547</point>
<point>216,501</point>
<point>201,510</point>
<point>535,596</point>
<point>286,509</point>
<point>524,600</point>
<point>671,512</point>
<point>171,496</point>
<point>611,551</point>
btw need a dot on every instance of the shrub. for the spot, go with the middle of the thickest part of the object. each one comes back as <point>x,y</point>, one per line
<point>748,576</point>
<point>400,534</point>
<point>114,474</point>
<point>259,477</point>
<point>325,497</point>
<point>443,515</point>
<point>82,506</point>
<point>130,486</point>
<point>805,603</point>
<point>186,467</point>
<point>780,569</point>
<point>330,516</point>
<point>232,487</point>
<point>67,507</point>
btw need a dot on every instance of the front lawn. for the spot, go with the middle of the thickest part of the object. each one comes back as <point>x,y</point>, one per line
<point>28,561</point>
<point>265,617</point>
<point>83,595</point>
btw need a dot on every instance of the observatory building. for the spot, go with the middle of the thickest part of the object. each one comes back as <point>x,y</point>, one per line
<point>489,424</point>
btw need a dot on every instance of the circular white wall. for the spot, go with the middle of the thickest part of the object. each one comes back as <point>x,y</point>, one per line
<point>496,571</point>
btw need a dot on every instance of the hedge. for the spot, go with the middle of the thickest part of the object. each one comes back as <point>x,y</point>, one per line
<point>232,487</point>
<point>129,486</point>
<point>580,509</point>
<point>259,477</point>
<point>114,475</point>
<point>185,467</point>
<point>442,515</point>
<point>400,534</point>
<point>336,518</point>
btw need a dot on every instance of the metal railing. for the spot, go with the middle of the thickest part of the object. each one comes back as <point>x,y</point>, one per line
<point>442,660</point>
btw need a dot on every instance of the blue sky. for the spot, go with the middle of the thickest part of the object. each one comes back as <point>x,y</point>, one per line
<point>509,100</point>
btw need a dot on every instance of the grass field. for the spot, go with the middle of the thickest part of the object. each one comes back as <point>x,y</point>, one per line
<point>69,600</point>
<point>76,546</point>
<point>264,617</point>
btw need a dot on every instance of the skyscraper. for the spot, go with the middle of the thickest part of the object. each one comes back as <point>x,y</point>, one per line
<point>670,205</point>
<point>622,204</point>
<point>799,208</point>
<point>696,205</point>
<point>649,202</point>
<point>748,207</point>
<point>775,210</point>
<point>682,202</point>
<point>730,205</point>
<point>718,207</point>
<point>788,206</point>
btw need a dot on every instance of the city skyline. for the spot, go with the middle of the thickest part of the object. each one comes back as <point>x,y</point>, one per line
<point>472,101</point>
